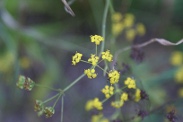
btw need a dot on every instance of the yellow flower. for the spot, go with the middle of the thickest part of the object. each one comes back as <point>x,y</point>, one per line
<point>7,61</point>
<point>124,96</point>
<point>107,55</point>
<point>137,95</point>
<point>99,118</point>
<point>76,58</point>
<point>108,91</point>
<point>130,83</point>
<point>93,59</point>
<point>95,103</point>
<point>117,28</point>
<point>114,76</point>
<point>130,34</point>
<point>116,17</point>
<point>179,75</point>
<point>180,92</point>
<point>176,58</point>
<point>117,104</point>
<point>140,29</point>
<point>129,20</point>
<point>96,39</point>
<point>90,73</point>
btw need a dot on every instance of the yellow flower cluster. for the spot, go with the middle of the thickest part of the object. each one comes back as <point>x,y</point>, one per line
<point>107,56</point>
<point>180,92</point>
<point>177,60</point>
<point>129,20</point>
<point>95,103</point>
<point>76,58</point>
<point>114,76</point>
<point>117,104</point>
<point>179,75</point>
<point>137,95</point>
<point>99,118</point>
<point>96,39</point>
<point>130,83</point>
<point>108,91</point>
<point>93,59</point>
<point>140,28</point>
<point>90,73</point>
<point>130,34</point>
<point>124,96</point>
<point>127,23</point>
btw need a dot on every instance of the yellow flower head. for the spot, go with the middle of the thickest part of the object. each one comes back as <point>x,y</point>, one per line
<point>180,92</point>
<point>130,34</point>
<point>90,73</point>
<point>129,20</point>
<point>130,83</point>
<point>114,76</point>
<point>179,75</point>
<point>124,96</point>
<point>176,58</point>
<point>116,17</point>
<point>96,39</point>
<point>99,118</point>
<point>137,95</point>
<point>117,28</point>
<point>76,58</point>
<point>140,29</point>
<point>117,104</point>
<point>107,56</point>
<point>93,59</point>
<point>95,103</point>
<point>108,91</point>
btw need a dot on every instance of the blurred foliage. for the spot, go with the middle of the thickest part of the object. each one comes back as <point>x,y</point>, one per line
<point>37,39</point>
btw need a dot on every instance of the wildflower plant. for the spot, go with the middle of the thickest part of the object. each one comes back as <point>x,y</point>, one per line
<point>119,90</point>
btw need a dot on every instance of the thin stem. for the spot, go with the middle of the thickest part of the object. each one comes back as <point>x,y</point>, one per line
<point>101,69</point>
<point>104,24</point>
<point>51,98</point>
<point>62,109</point>
<point>85,62</point>
<point>111,8</point>
<point>96,49</point>
<point>38,85</point>
<point>57,99</point>
<point>74,82</point>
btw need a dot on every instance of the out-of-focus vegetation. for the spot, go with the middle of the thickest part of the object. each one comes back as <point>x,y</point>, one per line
<point>38,39</point>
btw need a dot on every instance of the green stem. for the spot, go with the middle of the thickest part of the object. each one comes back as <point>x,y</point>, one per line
<point>96,49</point>
<point>111,8</point>
<point>62,109</point>
<point>38,85</point>
<point>51,98</point>
<point>85,62</point>
<point>74,82</point>
<point>104,24</point>
<point>101,69</point>
<point>57,99</point>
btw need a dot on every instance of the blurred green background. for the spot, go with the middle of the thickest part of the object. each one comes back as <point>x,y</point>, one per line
<point>38,39</point>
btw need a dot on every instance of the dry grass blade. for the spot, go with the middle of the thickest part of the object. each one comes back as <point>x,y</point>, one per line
<point>68,8</point>
<point>161,41</point>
